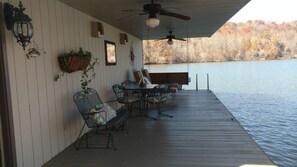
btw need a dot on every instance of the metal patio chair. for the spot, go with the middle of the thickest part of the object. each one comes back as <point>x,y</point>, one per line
<point>128,83</point>
<point>156,97</point>
<point>123,97</point>
<point>171,87</point>
<point>89,100</point>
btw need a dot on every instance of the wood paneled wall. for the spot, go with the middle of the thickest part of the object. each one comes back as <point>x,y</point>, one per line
<point>46,120</point>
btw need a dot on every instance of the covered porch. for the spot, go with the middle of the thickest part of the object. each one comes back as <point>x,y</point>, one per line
<point>202,133</point>
<point>40,120</point>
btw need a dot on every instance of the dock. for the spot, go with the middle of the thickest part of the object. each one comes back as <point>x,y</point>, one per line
<point>202,133</point>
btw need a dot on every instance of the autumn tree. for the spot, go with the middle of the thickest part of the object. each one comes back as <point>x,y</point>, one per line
<point>252,40</point>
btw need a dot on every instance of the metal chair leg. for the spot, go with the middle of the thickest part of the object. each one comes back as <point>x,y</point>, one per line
<point>77,146</point>
<point>148,116</point>
<point>165,115</point>
<point>87,142</point>
<point>108,140</point>
<point>160,113</point>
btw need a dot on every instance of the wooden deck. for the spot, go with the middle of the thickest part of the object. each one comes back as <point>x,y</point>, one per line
<point>201,133</point>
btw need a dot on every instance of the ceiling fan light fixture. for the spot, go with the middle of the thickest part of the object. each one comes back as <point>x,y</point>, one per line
<point>152,22</point>
<point>153,10</point>
<point>170,41</point>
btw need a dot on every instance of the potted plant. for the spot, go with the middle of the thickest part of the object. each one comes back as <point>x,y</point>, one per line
<point>74,61</point>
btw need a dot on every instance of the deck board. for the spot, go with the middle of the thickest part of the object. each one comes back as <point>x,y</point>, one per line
<point>201,133</point>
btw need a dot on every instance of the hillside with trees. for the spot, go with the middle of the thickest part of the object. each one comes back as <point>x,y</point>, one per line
<point>252,40</point>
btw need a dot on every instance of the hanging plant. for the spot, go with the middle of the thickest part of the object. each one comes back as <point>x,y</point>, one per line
<point>88,74</point>
<point>75,61</point>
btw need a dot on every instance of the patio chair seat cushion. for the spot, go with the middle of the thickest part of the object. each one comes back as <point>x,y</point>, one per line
<point>110,113</point>
<point>95,117</point>
<point>146,80</point>
<point>102,115</point>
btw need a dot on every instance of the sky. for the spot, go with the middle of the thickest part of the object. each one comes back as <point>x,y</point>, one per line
<point>268,10</point>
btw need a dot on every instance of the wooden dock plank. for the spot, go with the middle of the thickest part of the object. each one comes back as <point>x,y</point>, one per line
<point>201,133</point>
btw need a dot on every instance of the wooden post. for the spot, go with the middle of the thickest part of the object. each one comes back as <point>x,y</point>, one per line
<point>196,82</point>
<point>207,82</point>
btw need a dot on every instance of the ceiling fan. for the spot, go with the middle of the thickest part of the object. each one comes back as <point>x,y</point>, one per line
<point>171,37</point>
<point>153,9</point>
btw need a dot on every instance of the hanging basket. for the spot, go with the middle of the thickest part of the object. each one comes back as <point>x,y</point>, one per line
<point>73,63</point>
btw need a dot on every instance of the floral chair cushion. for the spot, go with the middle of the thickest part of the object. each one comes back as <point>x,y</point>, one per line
<point>102,114</point>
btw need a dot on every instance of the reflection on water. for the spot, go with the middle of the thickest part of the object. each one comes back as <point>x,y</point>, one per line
<point>261,95</point>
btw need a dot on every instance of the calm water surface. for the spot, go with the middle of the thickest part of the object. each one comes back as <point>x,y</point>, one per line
<point>261,95</point>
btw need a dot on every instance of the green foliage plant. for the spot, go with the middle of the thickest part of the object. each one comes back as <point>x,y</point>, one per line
<point>69,63</point>
<point>88,74</point>
<point>74,61</point>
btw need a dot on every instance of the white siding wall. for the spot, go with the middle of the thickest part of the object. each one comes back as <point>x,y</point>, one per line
<point>46,120</point>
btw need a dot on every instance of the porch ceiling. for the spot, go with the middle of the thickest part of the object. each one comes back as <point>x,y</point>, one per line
<point>207,16</point>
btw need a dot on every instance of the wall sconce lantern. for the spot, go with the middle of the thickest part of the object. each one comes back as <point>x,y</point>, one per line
<point>19,23</point>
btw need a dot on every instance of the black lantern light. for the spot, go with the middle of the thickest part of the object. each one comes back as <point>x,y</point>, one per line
<point>19,23</point>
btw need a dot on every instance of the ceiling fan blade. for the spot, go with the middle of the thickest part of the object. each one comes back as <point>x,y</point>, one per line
<point>171,8</point>
<point>127,17</point>
<point>176,15</point>
<point>131,16</point>
<point>160,39</point>
<point>180,39</point>
<point>132,10</point>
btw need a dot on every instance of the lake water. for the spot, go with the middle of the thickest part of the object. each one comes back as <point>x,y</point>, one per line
<point>262,95</point>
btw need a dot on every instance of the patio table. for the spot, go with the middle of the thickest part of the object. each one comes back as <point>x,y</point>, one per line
<point>143,90</point>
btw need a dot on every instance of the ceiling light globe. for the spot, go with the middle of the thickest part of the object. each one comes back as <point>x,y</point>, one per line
<point>152,22</point>
<point>170,42</point>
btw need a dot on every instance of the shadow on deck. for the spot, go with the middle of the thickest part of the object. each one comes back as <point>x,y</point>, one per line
<point>202,133</point>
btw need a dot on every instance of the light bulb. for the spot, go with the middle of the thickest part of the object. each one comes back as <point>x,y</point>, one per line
<point>152,22</point>
<point>170,42</point>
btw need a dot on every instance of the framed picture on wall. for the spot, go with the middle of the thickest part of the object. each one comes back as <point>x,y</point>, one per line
<point>110,53</point>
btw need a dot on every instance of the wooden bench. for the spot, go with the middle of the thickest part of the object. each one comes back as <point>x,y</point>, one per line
<point>181,78</point>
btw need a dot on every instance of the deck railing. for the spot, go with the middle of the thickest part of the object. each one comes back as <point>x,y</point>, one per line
<point>207,82</point>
